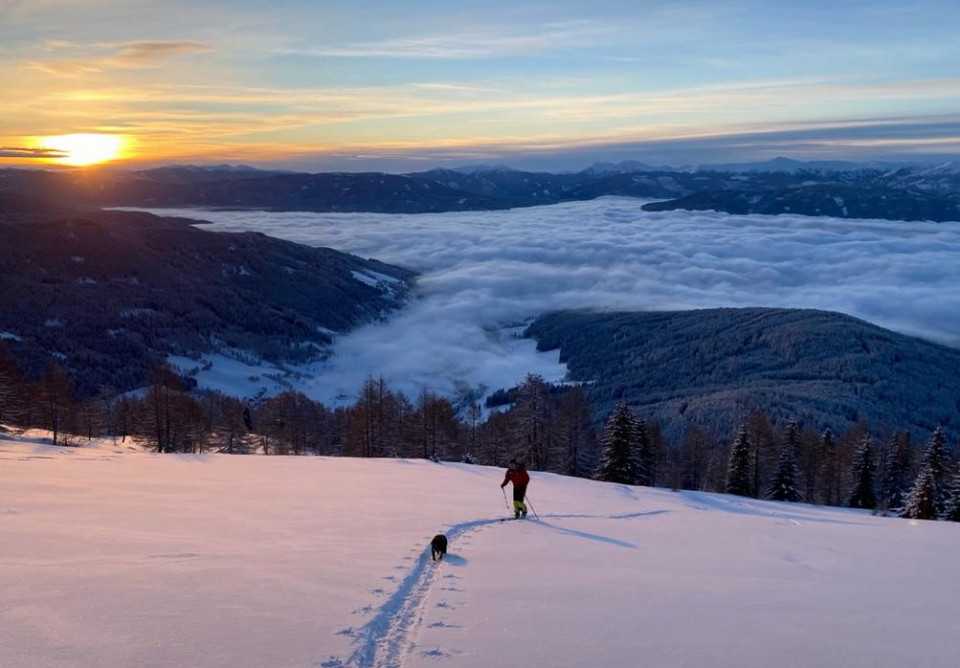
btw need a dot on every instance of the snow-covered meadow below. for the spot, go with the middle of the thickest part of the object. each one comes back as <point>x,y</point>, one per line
<point>484,271</point>
<point>113,558</point>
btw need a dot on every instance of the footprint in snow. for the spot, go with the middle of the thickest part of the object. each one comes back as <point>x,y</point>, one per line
<point>176,555</point>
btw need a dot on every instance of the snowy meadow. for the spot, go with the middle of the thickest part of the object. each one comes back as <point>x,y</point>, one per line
<point>484,273</point>
<point>113,558</point>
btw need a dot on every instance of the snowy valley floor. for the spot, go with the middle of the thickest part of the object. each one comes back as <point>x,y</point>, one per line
<point>111,558</point>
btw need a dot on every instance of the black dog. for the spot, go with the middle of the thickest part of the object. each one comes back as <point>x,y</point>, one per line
<point>438,546</point>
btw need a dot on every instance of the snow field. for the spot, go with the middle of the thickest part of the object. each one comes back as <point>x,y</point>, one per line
<point>115,558</point>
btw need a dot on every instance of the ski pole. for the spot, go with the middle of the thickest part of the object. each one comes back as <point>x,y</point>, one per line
<point>505,498</point>
<point>526,499</point>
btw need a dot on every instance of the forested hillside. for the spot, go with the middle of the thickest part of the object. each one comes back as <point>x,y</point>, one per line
<point>710,368</point>
<point>106,292</point>
<point>839,201</point>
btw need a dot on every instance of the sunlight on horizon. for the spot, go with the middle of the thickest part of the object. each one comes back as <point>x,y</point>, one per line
<point>80,150</point>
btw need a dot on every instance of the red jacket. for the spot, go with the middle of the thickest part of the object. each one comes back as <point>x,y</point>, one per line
<point>519,478</point>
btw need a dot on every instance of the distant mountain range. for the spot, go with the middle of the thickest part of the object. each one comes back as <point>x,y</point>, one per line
<point>840,201</point>
<point>710,368</point>
<point>778,164</point>
<point>107,292</point>
<point>872,190</point>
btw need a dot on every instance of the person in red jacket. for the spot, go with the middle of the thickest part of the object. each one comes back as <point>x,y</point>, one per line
<point>517,474</point>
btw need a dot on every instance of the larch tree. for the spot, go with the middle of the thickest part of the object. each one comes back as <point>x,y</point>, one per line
<point>578,451</point>
<point>57,399</point>
<point>693,459</point>
<point>645,454</point>
<point>12,386</point>
<point>761,438</point>
<point>830,477</point>
<point>533,421</point>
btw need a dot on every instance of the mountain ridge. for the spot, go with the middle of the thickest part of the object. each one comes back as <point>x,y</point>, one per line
<point>710,367</point>
<point>482,189</point>
<point>107,292</point>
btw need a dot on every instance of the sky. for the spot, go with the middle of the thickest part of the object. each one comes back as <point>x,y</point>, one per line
<point>483,272</point>
<point>403,86</point>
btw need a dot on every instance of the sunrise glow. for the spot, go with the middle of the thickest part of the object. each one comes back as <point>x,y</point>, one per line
<point>358,87</point>
<point>80,150</point>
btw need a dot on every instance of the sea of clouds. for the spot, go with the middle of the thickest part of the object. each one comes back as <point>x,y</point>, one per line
<point>485,273</point>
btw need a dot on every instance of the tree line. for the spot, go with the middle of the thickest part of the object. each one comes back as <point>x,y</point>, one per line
<point>857,469</point>
<point>551,428</point>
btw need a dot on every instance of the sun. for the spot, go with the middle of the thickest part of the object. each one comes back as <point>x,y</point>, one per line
<point>84,149</point>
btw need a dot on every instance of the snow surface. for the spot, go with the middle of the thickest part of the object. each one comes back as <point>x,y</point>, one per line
<point>114,558</point>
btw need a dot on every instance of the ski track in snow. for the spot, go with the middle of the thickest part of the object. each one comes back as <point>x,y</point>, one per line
<point>388,639</point>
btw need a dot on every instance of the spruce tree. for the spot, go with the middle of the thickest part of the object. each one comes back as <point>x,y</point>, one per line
<point>785,483</point>
<point>618,459</point>
<point>863,495</point>
<point>738,470</point>
<point>922,500</point>
<point>937,459</point>
<point>896,482</point>
<point>952,513</point>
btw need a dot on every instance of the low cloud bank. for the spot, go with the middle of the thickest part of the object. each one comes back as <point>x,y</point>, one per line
<point>485,271</point>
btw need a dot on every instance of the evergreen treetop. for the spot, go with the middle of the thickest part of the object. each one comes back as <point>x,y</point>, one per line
<point>952,512</point>
<point>863,495</point>
<point>738,469</point>
<point>619,460</point>
<point>785,486</point>
<point>922,500</point>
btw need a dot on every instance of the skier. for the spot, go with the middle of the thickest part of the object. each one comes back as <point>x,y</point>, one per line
<point>517,474</point>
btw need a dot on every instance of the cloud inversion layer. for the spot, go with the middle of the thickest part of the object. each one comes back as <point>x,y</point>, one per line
<point>484,270</point>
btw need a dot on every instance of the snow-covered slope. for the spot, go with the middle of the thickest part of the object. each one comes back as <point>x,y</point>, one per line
<point>113,558</point>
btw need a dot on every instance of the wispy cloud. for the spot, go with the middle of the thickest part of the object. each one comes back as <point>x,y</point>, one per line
<point>133,55</point>
<point>20,152</point>
<point>493,41</point>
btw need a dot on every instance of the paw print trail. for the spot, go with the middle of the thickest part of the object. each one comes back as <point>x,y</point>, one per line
<point>388,639</point>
